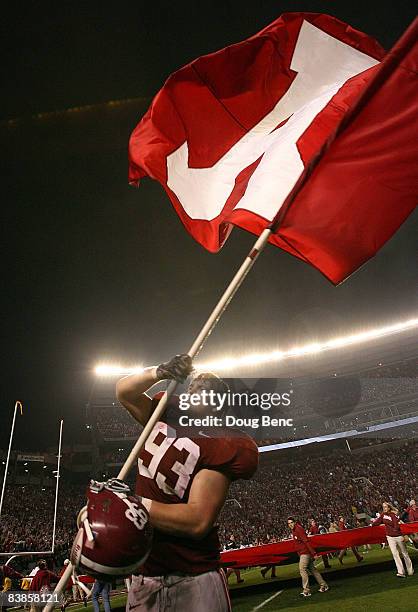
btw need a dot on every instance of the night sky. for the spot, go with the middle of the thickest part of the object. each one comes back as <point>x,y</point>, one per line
<point>96,270</point>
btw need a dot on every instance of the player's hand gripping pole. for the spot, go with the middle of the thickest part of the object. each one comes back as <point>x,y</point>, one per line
<point>194,350</point>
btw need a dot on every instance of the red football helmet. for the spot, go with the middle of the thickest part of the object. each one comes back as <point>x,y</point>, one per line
<point>114,536</point>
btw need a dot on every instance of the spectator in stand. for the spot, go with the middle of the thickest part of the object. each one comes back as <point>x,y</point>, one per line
<point>28,516</point>
<point>306,554</point>
<point>390,520</point>
<point>342,527</point>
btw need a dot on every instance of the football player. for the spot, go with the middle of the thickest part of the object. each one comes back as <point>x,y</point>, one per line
<point>183,482</point>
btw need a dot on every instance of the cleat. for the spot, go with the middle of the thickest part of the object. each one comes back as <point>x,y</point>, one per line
<point>323,589</point>
<point>307,594</point>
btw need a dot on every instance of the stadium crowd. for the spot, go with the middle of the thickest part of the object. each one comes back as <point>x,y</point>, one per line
<point>27,517</point>
<point>116,456</point>
<point>116,423</point>
<point>324,487</point>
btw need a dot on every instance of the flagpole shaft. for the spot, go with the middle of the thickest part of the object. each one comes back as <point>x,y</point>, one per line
<point>8,458</point>
<point>229,293</point>
<point>197,345</point>
<point>57,486</point>
<point>59,589</point>
<point>201,338</point>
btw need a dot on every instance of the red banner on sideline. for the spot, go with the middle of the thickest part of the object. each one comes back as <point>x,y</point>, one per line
<point>285,552</point>
<point>85,579</point>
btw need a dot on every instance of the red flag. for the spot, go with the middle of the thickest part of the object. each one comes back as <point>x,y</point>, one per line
<point>230,135</point>
<point>285,551</point>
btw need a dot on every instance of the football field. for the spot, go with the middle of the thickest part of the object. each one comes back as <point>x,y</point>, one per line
<point>369,586</point>
<point>376,592</point>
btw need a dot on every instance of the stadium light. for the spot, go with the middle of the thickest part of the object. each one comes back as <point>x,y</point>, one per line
<point>252,359</point>
<point>228,363</point>
<point>116,370</point>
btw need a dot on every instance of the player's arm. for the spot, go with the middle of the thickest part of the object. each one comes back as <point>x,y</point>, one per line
<point>377,521</point>
<point>195,518</point>
<point>130,390</point>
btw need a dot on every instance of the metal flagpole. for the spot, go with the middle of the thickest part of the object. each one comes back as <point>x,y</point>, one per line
<point>17,405</point>
<point>205,332</point>
<point>197,345</point>
<point>57,486</point>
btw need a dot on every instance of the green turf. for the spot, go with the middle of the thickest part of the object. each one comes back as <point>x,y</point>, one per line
<point>368,592</point>
<point>379,592</point>
<point>286,572</point>
<point>117,601</point>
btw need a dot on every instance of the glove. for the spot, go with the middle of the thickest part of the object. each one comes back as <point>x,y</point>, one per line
<point>178,368</point>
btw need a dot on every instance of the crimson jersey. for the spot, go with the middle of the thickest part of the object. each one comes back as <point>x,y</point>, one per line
<point>43,578</point>
<point>412,514</point>
<point>166,467</point>
<point>391,523</point>
<point>313,529</point>
<point>302,544</point>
